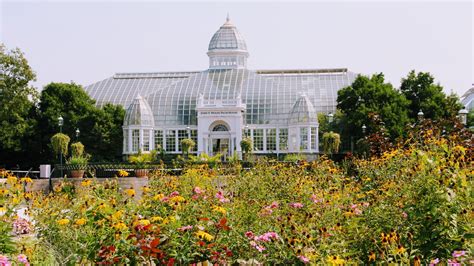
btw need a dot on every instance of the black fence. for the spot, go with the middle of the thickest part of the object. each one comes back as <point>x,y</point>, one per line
<point>108,170</point>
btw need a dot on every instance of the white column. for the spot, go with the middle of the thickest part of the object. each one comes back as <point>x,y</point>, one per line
<point>130,144</point>
<point>309,138</point>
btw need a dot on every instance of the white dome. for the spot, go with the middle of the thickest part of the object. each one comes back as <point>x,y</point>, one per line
<point>139,113</point>
<point>303,111</point>
<point>227,37</point>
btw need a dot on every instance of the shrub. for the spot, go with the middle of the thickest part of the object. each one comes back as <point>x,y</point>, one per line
<point>77,149</point>
<point>60,143</point>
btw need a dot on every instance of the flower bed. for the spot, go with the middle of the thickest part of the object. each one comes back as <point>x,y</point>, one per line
<point>410,206</point>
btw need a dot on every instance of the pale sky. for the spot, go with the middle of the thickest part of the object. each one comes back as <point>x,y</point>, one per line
<point>87,41</point>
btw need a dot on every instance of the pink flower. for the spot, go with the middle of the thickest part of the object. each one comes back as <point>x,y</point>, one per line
<point>267,211</point>
<point>303,259</point>
<point>365,204</point>
<point>315,199</point>
<point>404,215</point>
<point>185,228</point>
<point>296,205</point>
<point>256,246</point>
<point>274,205</point>
<point>249,234</point>
<point>434,262</point>
<point>453,263</point>
<point>174,194</point>
<point>165,199</point>
<point>4,261</point>
<point>459,253</point>
<point>220,196</point>
<point>23,259</point>
<point>357,211</point>
<point>353,206</point>
<point>197,190</point>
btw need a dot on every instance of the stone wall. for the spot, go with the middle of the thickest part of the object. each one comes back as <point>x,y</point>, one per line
<point>124,183</point>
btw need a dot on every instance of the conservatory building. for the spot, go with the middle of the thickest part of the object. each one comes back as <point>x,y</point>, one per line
<point>220,106</point>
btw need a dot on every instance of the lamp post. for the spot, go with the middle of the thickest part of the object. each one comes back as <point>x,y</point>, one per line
<point>420,115</point>
<point>61,123</point>
<point>77,134</point>
<point>330,118</point>
<point>463,116</point>
<point>364,129</point>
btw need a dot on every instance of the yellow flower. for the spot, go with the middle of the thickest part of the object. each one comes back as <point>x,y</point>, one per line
<point>130,192</point>
<point>146,189</point>
<point>117,215</point>
<point>400,249</point>
<point>3,210</point>
<point>335,260</point>
<point>26,180</point>
<point>156,219</point>
<point>203,235</point>
<point>120,226</point>
<point>102,206</point>
<point>86,183</point>
<point>177,199</point>
<point>219,209</point>
<point>11,180</point>
<point>63,221</point>
<point>144,222</point>
<point>123,173</point>
<point>372,256</point>
<point>3,191</point>
<point>158,196</point>
<point>81,221</point>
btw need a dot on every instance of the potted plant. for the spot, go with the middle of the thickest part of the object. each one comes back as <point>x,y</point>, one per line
<point>140,161</point>
<point>77,161</point>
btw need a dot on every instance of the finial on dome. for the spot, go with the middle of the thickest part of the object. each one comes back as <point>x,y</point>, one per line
<point>227,18</point>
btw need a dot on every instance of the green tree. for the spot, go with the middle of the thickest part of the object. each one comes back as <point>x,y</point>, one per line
<point>101,128</point>
<point>17,107</point>
<point>470,118</point>
<point>423,94</point>
<point>371,95</point>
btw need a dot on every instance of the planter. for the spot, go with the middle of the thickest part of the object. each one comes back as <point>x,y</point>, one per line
<point>141,173</point>
<point>77,173</point>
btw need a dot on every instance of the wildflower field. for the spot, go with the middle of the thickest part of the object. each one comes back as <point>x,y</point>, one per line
<point>412,205</point>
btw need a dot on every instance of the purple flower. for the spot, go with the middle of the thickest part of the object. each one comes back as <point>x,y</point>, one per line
<point>296,205</point>
<point>315,199</point>
<point>185,228</point>
<point>458,253</point>
<point>304,259</point>
<point>23,259</point>
<point>434,262</point>
<point>249,234</point>
<point>453,263</point>
<point>4,261</point>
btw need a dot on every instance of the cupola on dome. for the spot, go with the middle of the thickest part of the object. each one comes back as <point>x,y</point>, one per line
<point>139,113</point>
<point>227,37</point>
<point>227,48</point>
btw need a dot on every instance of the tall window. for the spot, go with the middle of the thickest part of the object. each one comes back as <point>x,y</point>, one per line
<point>146,140</point>
<point>303,138</point>
<point>125,140</point>
<point>135,140</point>
<point>170,140</point>
<point>271,139</point>
<point>258,139</point>
<point>194,137</point>
<point>283,139</point>
<point>182,134</point>
<point>159,140</point>
<point>314,143</point>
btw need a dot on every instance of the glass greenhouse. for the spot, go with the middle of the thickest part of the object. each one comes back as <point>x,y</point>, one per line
<point>219,106</point>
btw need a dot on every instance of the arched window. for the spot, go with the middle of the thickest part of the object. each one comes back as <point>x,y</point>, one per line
<point>220,127</point>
